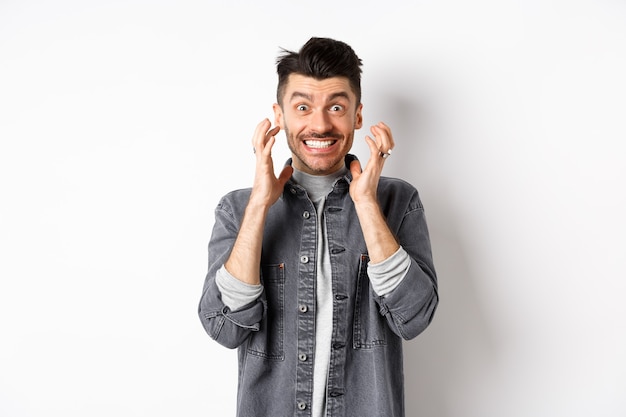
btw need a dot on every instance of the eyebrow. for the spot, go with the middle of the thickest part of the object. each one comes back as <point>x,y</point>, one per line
<point>341,94</point>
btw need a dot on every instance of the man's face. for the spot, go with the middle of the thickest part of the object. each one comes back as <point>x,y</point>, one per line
<point>319,118</point>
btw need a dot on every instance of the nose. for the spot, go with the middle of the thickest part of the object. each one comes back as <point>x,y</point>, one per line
<point>320,122</point>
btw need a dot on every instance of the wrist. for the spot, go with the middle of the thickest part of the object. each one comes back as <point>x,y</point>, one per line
<point>366,204</point>
<point>258,204</point>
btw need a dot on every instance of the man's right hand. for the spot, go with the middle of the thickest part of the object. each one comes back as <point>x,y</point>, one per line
<point>245,257</point>
<point>267,187</point>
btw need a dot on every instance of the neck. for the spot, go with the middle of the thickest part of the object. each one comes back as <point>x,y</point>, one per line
<point>318,186</point>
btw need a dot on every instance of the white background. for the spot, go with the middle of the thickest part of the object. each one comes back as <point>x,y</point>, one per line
<point>123,122</point>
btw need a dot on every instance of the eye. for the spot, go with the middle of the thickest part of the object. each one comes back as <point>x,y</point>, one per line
<point>302,107</point>
<point>336,107</point>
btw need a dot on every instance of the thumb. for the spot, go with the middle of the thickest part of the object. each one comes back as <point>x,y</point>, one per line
<point>355,168</point>
<point>285,174</point>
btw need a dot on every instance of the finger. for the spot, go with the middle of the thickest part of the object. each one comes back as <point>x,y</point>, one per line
<point>384,138</point>
<point>377,157</point>
<point>267,149</point>
<point>263,136</point>
<point>392,143</point>
<point>258,139</point>
<point>272,133</point>
<point>270,140</point>
<point>373,145</point>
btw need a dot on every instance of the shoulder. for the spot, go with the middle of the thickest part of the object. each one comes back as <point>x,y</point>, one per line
<point>389,185</point>
<point>234,202</point>
<point>399,192</point>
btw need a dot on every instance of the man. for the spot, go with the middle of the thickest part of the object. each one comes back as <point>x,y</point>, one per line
<point>317,275</point>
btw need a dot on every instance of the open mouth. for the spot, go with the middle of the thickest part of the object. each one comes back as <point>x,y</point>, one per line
<point>319,144</point>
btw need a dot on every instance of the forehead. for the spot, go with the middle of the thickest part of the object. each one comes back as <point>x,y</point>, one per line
<point>299,86</point>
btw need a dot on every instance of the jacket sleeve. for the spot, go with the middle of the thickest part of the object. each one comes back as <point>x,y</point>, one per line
<point>227,327</point>
<point>410,307</point>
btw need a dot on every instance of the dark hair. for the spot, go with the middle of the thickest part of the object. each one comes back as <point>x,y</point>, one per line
<point>320,58</point>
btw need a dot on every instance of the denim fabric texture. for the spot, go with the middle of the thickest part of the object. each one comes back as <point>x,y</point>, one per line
<point>275,335</point>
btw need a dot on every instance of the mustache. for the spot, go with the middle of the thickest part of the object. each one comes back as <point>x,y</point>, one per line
<point>325,135</point>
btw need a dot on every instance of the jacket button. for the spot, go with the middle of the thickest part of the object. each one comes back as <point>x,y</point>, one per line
<point>306,214</point>
<point>302,357</point>
<point>303,308</point>
<point>304,259</point>
<point>301,405</point>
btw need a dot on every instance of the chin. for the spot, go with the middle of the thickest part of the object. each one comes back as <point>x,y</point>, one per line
<point>324,169</point>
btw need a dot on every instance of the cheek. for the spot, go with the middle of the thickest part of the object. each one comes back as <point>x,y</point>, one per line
<point>349,125</point>
<point>293,125</point>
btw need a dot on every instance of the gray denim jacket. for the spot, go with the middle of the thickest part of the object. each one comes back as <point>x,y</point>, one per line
<point>275,335</point>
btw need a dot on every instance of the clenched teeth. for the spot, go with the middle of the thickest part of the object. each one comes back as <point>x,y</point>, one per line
<point>319,144</point>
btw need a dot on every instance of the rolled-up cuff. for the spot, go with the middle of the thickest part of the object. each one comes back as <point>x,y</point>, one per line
<point>385,276</point>
<point>236,293</point>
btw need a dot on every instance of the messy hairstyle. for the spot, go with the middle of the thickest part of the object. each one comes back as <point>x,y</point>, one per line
<point>320,58</point>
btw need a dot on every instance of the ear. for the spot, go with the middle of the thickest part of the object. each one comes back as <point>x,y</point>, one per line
<point>278,116</point>
<point>358,120</point>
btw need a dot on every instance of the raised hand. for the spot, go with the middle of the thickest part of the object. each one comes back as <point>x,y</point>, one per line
<point>381,243</point>
<point>243,262</point>
<point>267,187</point>
<point>365,181</point>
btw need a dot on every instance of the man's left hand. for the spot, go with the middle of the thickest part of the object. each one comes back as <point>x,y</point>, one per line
<point>365,181</point>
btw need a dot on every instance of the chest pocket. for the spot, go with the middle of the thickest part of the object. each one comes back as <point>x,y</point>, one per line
<point>369,325</point>
<point>268,341</point>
